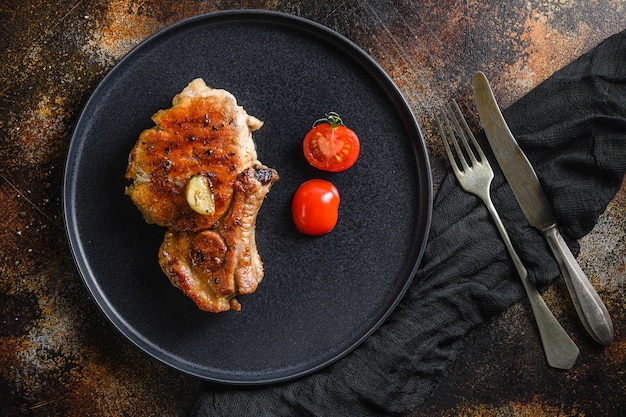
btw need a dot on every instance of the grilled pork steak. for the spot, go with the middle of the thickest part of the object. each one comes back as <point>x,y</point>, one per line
<point>197,173</point>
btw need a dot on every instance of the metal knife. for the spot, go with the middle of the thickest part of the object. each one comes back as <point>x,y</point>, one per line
<point>530,196</point>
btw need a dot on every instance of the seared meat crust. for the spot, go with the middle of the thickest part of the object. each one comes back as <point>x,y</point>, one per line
<point>211,257</point>
<point>212,266</point>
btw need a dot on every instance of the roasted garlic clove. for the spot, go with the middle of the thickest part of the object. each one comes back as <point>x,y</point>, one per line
<point>199,195</point>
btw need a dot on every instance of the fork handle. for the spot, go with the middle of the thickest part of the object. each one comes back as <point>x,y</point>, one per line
<point>560,350</point>
<point>591,310</point>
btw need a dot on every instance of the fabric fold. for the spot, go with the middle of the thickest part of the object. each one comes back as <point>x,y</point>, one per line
<point>572,128</point>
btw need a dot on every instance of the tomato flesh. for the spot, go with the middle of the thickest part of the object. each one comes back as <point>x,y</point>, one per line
<point>315,207</point>
<point>331,148</point>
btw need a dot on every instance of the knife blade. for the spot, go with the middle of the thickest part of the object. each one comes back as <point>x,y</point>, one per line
<point>534,204</point>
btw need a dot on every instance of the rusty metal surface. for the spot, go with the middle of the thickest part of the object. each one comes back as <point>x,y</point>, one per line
<point>59,356</point>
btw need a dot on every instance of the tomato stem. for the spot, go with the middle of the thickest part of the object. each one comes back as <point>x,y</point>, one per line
<point>332,118</point>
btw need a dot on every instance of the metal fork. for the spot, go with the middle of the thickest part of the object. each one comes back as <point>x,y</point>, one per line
<point>475,177</point>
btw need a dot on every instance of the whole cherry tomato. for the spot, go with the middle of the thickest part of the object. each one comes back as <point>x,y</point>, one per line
<point>330,146</point>
<point>315,207</point>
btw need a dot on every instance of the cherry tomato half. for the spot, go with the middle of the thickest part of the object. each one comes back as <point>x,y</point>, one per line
<point>315,207</point>
<point>330,146</point>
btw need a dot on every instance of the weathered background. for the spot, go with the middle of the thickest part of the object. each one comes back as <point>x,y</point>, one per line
<point>58,354</point>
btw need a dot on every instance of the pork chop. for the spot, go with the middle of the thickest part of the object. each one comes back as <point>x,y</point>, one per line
<point>196,173</point>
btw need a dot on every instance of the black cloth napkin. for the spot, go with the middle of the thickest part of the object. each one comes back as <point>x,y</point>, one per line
<point>572,128</point>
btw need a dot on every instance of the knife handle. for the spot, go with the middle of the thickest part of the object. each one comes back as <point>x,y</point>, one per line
<point>591,310</point>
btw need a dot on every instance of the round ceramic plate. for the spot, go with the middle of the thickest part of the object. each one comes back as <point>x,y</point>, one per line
<point>321,296</point>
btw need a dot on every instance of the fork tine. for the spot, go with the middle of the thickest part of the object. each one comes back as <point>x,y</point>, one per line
<point>468,133</point>
<point>444,138</point>
<point>462,131</point>
<point>455,132</point>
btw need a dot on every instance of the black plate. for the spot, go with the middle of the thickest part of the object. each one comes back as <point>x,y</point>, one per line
<point>321,296</point>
